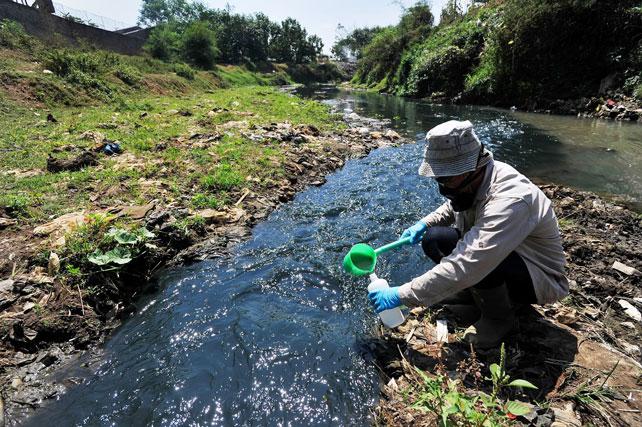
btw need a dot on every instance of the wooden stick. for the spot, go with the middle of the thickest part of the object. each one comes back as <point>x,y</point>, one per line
<point>245,194</point>
<point>82,306</point>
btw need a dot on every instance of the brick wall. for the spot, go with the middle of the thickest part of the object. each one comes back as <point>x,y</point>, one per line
<point>46,27</point>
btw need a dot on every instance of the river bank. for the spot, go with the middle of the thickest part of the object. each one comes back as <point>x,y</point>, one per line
<point>582,353</point>
<point>184,230</point>
<point>50,317</point>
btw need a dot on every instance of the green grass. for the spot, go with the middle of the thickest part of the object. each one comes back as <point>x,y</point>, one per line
<point>205,175</point>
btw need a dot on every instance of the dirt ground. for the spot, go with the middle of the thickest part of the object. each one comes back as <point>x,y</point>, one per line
<point>582,353</point>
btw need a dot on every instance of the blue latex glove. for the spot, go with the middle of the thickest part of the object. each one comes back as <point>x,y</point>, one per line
<point>384,299</point>
<point>415,232</point>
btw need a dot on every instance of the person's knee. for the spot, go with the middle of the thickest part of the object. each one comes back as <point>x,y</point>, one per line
<point>439,242</point>
<point>431,248</point>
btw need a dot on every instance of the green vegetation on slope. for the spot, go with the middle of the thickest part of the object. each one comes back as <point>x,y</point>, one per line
<point>510,51</point>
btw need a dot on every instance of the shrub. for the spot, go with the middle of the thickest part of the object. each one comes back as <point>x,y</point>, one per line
<point>198,45</point>
<point>13,36</point>
<point>185,71</point>
<point>163,43</point>
<point>129,75</point>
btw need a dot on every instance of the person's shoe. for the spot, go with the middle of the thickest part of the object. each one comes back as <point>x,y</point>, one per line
<point>497,317</point>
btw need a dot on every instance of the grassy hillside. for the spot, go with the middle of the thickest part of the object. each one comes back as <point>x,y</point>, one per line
<point>510,51</point>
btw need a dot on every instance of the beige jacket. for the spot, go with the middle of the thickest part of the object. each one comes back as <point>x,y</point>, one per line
<point>510,214</point>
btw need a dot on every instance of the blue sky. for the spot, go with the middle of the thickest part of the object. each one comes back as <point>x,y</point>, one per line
<point>317,16</point>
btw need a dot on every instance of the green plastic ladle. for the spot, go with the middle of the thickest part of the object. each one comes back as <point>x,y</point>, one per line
<point>362,258</point>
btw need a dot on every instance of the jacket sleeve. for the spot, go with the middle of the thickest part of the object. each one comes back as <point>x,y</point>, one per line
<point>501,227</point>
<point>443,215</point>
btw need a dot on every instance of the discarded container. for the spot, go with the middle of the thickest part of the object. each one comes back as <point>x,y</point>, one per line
<point>362,258</point>
<point>390,318</point>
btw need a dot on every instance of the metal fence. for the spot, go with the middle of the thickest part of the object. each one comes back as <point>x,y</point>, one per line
<point>82,16</point>
<point>89,18</point>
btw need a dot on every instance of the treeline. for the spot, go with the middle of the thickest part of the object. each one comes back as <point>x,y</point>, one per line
<point>504,51</point>
<point>201,36</point>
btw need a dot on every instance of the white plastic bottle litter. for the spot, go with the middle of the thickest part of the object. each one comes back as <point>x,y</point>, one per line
<point>390,318</point>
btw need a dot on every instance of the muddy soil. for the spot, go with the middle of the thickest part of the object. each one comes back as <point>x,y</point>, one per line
<point>583,352</point>
<point>45,325</point>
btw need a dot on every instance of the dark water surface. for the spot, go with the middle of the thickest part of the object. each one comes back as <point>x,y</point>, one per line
<point>278,334</point>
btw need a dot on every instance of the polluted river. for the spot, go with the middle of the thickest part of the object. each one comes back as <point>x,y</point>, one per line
<point>277,333</point>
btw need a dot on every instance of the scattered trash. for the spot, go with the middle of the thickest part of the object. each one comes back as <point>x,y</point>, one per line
<point>442,331</point>
<point>54,264</point>
<point>623,268</point>
<point>112,148</point>
<point>631,311</point>
<point>85,159</point>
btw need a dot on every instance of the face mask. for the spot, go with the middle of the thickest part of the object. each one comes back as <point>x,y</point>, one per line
<point>460,200</point>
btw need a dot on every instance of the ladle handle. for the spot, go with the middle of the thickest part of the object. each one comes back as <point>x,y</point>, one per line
<point>392,245</point>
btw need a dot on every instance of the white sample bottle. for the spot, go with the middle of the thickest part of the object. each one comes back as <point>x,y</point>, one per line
<point>390,318</point>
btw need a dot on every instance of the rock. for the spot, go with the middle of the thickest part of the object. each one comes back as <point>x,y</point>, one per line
<point>85,159</point>
<point>566,417</point>
<point>630,311</point>
<point>45,71</point>
<point>94,136</point>
<point>54,264</point>
<point>363,131</point>
<point>172,112</point>
<point>6,285</point>
<point>212,216</point>
<point>61,225</point>
<point>376,135</point>
<point>16,382</point>
<point>7,222</point>
<point>623,268</point>
<point>133,212</point>
<point>629,325</point>
<point>51,118</point>
<point>392,135</point>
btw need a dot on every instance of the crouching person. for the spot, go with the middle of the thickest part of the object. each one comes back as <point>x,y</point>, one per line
<point>504,250</point>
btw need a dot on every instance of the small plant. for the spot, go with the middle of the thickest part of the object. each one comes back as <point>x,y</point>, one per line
<point>128,75</point>
<point>127,241</point>
<point>185,71</point>
<point>448,399</point>
<point>204,201</point>
<point>224,178</point>
<point>590,396</point>
<point>16,206</point>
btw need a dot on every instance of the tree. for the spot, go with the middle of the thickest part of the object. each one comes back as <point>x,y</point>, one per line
<point>154,12</point>
<point>198,45</point>
<point>163,42</point>
<point>450,13</point>
<point>291,44</point>
<point>416,22</point>
<point>351,46</point>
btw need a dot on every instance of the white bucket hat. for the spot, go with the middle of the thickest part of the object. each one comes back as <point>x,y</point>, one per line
<point>452,149</point>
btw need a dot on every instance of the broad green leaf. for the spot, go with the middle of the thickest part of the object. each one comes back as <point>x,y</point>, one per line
<point>123,237</point>
<point>517,408</point>
<point>119,256</point>
<point>147,234</point>
<point>98,258</point>
<point>494,370</point>
<point>521,383</point>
